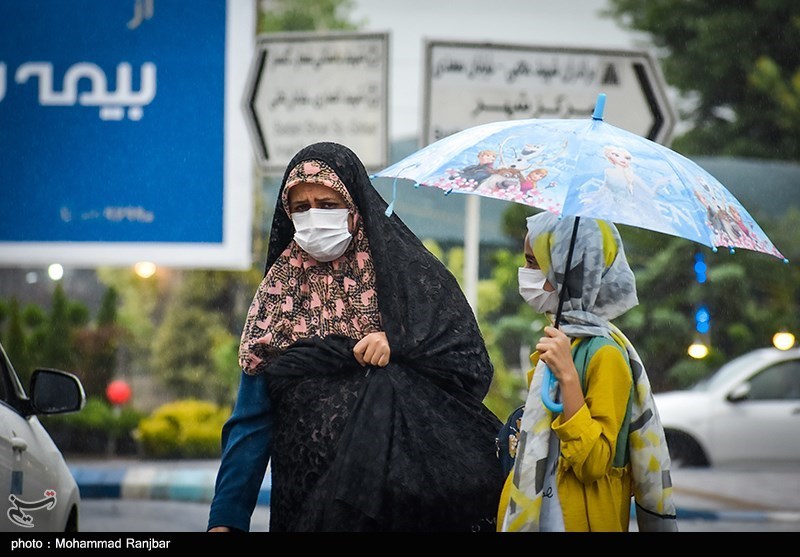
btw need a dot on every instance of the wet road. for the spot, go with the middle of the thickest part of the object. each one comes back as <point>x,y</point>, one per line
<point>175,497</point>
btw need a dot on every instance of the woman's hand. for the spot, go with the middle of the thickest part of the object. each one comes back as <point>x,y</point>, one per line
<point>373,350</point>
<point>220,529</point>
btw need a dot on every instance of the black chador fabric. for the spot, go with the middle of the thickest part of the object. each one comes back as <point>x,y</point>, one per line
<point>407,447</point>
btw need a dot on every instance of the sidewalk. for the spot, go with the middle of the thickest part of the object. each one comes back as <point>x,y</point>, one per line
<point>699,494</point>
<point>738,494</point>
<point>172,480</point>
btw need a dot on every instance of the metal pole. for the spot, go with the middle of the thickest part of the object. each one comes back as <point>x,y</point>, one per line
<point>472,221</point>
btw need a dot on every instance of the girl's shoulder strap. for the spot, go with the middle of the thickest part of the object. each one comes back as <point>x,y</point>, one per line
<point>582,353</point>
<point>585,349</point>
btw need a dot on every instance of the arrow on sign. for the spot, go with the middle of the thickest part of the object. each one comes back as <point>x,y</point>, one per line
<point>661,121</point>
<point>308,87</point>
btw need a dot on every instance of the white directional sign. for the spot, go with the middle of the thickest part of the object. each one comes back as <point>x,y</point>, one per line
<point>467,84</point>
<point>308,87</point>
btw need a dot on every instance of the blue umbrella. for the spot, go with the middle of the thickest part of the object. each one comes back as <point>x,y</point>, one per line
<point>586,168</point>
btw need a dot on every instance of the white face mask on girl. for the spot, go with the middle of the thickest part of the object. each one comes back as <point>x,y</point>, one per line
<point>322,233</point>
<point>531,288</point>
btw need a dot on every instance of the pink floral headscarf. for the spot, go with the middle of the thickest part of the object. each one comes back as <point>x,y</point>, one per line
<point>301,297</point>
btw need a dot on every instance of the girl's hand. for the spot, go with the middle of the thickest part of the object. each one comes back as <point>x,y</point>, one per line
<point>373,350</point>
<point>555,350</point>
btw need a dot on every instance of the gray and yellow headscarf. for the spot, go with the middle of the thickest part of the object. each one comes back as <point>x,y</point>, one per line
<point>600,284</point>
<point>600,287</point>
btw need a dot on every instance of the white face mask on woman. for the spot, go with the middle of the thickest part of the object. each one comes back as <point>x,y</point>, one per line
<point>322,233</point>
<point>531,288</point>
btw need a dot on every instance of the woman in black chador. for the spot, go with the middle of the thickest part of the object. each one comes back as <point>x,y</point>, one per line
<point>364,373</point>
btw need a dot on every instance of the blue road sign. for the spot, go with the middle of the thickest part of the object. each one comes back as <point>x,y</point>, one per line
<point>122,133</point>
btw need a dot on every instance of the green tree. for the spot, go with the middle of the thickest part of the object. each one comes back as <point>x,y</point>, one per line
<point>16,343</point>
<point>107,314</point>
<point>184,354</point>
<point>737,61</point>
<point>510,328</point>
<point>98,346</point>
<point>4,309</point>
<point>56,350</point>
<point>140,307</point>
<point>193,351</point>
<point>304,15</point>
<point>749,295</point>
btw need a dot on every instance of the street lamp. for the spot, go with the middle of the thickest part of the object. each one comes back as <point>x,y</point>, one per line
<point>145,269</point>
<point>55,271</point>
<point>698,350</point>
<point>783,340</point>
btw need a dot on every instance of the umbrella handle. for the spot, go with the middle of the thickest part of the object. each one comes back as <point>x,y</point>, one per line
<point>549,382</point>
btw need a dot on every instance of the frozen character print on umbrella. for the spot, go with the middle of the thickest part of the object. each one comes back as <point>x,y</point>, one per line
<point>515,176</point>
<point>532,179</point>
<point>621,189</point>
<point>470,176</point>
<point>505,182</point>
<point>723,217</point>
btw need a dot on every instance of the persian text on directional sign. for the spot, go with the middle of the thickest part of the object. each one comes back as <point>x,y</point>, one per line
<point>123,137</point>
<point>308,87</point>
<point>467,84</point>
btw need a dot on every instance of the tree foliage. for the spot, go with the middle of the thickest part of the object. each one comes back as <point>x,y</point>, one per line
<point>193,349</point>
<point>56,345</point>
<point>16,343</point>
<point>97,347</point>
<point>140,306</point>
<point>304,15</point>
<point>737,61</point>
<point>740,64</point>
<point>749,295</point>
<point>65,338</point>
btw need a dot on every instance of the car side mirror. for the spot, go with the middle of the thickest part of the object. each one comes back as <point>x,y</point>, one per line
<point>740,393</point>
<point>56,392</point>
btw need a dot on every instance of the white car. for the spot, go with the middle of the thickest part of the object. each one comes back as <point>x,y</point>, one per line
<point>37,490</point>
<point>747,412</point>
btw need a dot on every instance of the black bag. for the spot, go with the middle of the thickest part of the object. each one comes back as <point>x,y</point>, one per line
<point>508,440</point>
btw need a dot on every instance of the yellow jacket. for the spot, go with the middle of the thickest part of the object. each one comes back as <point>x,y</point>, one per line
<point>595,496</point>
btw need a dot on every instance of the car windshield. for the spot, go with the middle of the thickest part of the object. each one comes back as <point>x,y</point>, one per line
<point>750,360</point>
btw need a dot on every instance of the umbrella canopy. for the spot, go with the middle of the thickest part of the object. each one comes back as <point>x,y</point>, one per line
<point>587,167</point>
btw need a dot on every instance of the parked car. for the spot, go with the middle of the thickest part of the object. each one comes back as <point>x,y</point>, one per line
<point>747,412</point>
<point>37,490</point>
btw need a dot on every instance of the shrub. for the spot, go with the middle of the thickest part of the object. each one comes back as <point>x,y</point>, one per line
<point>97,428</point>
<point>183,429</point>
